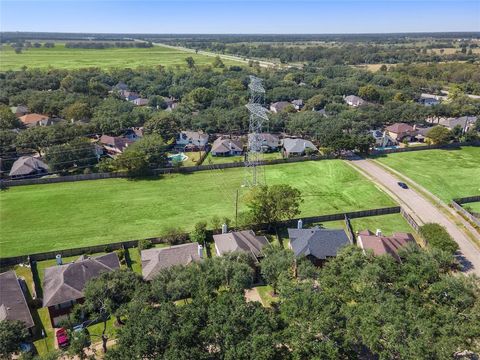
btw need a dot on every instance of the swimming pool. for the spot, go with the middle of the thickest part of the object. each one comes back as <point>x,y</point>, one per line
<point>178,157</point>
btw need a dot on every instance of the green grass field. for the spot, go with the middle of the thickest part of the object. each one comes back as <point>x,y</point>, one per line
<point>473,207</point>
<point>240,158</point>
<point>448,174</point>
<point>74,214</point>
<point>65,58</point>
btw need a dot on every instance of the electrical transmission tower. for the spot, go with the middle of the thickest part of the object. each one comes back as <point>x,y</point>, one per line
<point>254,172</point>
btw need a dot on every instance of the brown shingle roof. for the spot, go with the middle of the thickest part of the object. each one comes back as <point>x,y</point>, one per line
<point>154,260</point>
<point>243,241</point>
<point>13,305</point>
<point>381,245</point>
<point>64,283</point>
<point>398,128</point>
<point>32,118</point>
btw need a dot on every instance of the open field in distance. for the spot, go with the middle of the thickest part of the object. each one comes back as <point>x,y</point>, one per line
<point>74,214</point>
<point>71,58</point>
<point>447,173</point>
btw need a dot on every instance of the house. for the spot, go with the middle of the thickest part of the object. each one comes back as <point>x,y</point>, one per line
<point>381,138</point>
<point>156,259</point>
<point>128,95</point>
<point>134,133</point>
<point>401,131</point>
<point>114,144</point>
<point>354,100</point>
<point>297,147</point>
<point>30,120</point>
<point>465,122</point>
<point>382,245</point>
<point>422,133</point>
<point>322,112</point>
<point>298,104</point>
<point>13,303</point>
<point>192,139</point>
<point>19,110</point>
<point>120,86</point>
<point>430,99</point>
<point>28,166</point>
<point>269,142</point>
<point>140,101</point>
<point>317,244</point>
<point>240,241</point>
<point>279,106</point>
<point>171,103</point>
<point>63,284</point>
<point>226,147</point>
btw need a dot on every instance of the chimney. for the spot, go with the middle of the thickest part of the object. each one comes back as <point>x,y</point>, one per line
<point>300,224</point>
<point>378,232</point>
<point>224,228</point>
<point>58,259</point>
<point>200,251</point>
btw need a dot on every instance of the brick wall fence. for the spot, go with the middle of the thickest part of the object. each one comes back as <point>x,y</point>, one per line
<point>157,240</point>
<point>426,147</point>
<point>184,170</point>
<point>456,203</point>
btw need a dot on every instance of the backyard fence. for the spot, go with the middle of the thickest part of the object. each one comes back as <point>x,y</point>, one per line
<point>350,233</point>
<point>182,238</point>
<point>410,220</point>
<point>426,147</point>
<point>162,171</point>
<point>457,205</point>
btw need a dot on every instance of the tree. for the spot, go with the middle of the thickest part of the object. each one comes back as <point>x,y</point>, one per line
<point>143,156</point>
<point>108,295</point>
<point>276,262</point>
<point>200,96</point>
<point>271,204</point>
<point>77,111</point>
<point>369,92</point>
<point>437,237</point>
<point>78,153</point>
<point>218,63</point>
<point>439,135</point>
<point>190,62</point>
<point>164,124</point>
<point>79,340</point>
<point>12,333</point>
<point>199,233</point>
<point>113,116</point>
<point>8,120</point>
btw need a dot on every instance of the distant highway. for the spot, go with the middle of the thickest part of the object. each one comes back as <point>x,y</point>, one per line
<point>262,63</point>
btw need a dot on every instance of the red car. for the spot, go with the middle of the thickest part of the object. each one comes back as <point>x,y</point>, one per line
<point>62,338</point>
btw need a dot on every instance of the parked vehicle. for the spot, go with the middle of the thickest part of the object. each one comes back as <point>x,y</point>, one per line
<point>402,185</point>
<point>62,338</point>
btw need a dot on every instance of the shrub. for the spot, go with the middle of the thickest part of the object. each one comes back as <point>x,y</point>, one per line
<point>121,255</point>
<point>175,236</point>
<point>144,244</point>
<point>437,237</point>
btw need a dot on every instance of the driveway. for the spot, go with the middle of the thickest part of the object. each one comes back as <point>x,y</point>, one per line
<point>413,202</point>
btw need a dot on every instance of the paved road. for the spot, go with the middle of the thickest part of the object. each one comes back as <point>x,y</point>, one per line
<point>423,209</point>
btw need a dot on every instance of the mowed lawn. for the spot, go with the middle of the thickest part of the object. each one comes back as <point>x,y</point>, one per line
<point>448,174</point>
<point>74,214</point>
<point>68,58</point>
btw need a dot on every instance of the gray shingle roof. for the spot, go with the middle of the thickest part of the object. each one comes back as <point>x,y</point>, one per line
<point>66,282</point>
<point>223,145</point>
<point>320,243</point>
<point>154,260</point>
<point>297,146</point>
<point>243,241</point>
<point>13,305</point>
<point>28,165</point>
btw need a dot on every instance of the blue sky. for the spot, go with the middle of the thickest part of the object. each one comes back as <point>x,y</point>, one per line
<point>221,16</point>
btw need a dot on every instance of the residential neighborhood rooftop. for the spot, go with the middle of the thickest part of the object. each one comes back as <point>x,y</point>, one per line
<point>317,242</point>
<point>13,304</point>
<point>243,241</point>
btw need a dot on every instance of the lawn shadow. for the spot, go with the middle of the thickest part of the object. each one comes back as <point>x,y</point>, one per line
<point>36,280</point>
<point>465,264</point>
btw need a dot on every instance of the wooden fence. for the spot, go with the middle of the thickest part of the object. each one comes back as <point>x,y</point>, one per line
<point>162,171</point>
<point>8,261</point>
<point>426,147</point>
<point>457,205</point>
<point>410,220</point>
